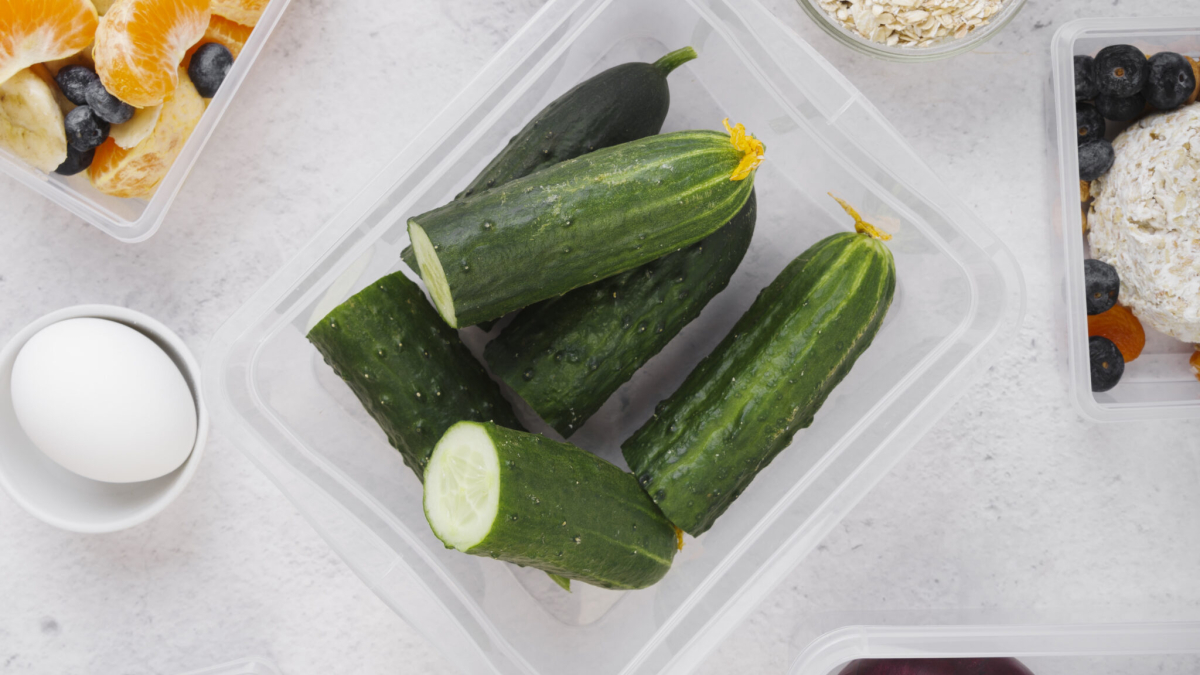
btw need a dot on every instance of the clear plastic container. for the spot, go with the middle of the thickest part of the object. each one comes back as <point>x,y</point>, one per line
<point>960,299</point>
<point>134,220</point>
<point>940,49</point>
<point>1059,649</point>
<point>1160,383</point>
<point>250,666</point>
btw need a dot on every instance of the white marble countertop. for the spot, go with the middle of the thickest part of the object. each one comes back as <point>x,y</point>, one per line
<point>232,569</point>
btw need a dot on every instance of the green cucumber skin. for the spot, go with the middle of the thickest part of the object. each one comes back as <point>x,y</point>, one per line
<point>568,512</point>
<point>566,356</point>
<point>621,104</point>
<point>407,367</point>
<point>765,381</point>
<point>583,220</point>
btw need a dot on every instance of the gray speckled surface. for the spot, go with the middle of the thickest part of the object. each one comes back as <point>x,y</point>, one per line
<point>1011,501</point>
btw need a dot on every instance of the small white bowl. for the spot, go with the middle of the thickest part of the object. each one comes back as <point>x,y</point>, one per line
<point>69,501</point>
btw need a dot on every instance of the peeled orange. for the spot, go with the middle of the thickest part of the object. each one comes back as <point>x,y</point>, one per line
<point>245,12</point>
<point>140,44</point>
<point>137,171</point>
<point>224,32</point>
<point>34,31</point>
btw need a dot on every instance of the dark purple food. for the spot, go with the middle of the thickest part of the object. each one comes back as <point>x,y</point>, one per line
<point>1089,121</point>
<point>1121,70</point>
<point>1171,81</point>
<point>1107,363</point>
<point>973,666</point>
<point>1086,87</point>
<point>1121,109</point>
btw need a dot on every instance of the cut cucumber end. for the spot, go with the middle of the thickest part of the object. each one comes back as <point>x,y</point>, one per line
<point>462,486</point>
<point>432,273</point>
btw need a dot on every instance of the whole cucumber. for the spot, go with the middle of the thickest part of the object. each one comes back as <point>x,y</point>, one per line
<point>407,367</point>
<point>565,356</point>
<point>580,221</point>
<point>621,104</point>
<point>765,381</point>
<point>525,499</point>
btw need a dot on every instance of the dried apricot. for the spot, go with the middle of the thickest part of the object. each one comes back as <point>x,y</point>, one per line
<point>1122,327</point>
<point>1195,361</point>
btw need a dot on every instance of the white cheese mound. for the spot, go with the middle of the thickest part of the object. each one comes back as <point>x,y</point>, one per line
<point>1145,220</point>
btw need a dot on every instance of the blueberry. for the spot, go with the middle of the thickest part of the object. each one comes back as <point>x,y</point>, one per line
<point>1103,286</point>
<point>1095,158</point>
<point>210,64</point>
<point>106,106</point>
<point>1086,88</point>
<point>1171,81</point>
<point>73,81</point>
<point>1121,70</point>
<point>1121,109</point>
<point>85,131</point>
<point>75,162</point>
<point>1089,121</point>
<point>1107,363</point>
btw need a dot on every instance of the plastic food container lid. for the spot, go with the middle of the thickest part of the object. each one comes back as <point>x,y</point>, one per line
<point>960,299</point>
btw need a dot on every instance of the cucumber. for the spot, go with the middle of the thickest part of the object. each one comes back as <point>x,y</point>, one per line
<point>765,381</point>
<point>526,499</point>
<point>565,356</point>
<point>580,221</point>
<point>407,368</point>
<point>621,104</point>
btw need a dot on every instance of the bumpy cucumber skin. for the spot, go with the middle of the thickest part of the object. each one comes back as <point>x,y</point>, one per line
<point>407,367</point>
<point>582,220</point>
<point>565,356</point>
<point>621,104</point>
<point>765,381</point>
<point>568,512</point>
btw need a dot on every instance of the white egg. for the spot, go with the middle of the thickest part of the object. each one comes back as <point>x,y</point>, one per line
<point>104,401</point>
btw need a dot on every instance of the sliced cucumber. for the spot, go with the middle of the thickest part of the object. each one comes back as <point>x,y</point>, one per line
<point>528,500</point>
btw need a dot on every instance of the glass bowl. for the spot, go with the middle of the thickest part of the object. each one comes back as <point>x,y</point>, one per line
<point>940,49</point>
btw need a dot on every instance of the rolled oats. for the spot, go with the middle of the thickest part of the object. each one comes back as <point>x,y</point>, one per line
<point>911,22</point>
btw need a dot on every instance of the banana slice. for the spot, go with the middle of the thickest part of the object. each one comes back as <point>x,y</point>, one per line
<point>31,123</point>
<point>139,127</point>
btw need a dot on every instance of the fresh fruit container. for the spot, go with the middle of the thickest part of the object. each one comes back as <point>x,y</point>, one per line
<point>1160,383</point>
<point>960,299</point>
<point>134,219</point>
<point>939,49</point>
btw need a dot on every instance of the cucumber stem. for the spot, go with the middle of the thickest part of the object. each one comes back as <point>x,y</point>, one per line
<point>675,59</point>
<point>861,226</point>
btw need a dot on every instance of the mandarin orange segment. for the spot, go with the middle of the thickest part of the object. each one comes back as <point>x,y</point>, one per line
<point>245,12</point>
<point>35,31</point>
<point>138,171</point>
<point>229,33</point>
<point>140,44</point>
<point>224,32</point>
<point>1122,327</point>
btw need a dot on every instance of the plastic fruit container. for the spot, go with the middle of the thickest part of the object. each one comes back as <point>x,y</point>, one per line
<point>960,298</point>
<point>134,220</point>
<point>940,49</point>
<point>1160,383</point>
